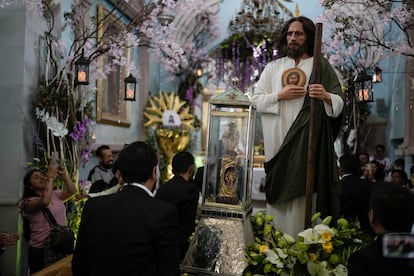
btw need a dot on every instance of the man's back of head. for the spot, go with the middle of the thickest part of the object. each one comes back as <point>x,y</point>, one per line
<point>136,162</point>
<point>391,209</point>
<point>349,164</point>
<point>181,162</point>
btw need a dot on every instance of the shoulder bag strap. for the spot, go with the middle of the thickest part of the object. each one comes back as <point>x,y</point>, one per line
<point>50,218</point>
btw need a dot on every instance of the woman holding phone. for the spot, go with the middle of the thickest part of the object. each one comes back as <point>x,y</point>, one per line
<point>38,196</point>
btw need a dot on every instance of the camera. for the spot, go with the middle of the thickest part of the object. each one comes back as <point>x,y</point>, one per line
<point>398,245</point>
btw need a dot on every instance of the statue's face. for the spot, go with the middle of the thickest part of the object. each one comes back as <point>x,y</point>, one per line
<point>296,40</point>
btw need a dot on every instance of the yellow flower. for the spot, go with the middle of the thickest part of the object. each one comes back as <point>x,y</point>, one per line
<point>263,248</point>
<point>327,247</point>
<point>326,236</point>
<point>312,257</point>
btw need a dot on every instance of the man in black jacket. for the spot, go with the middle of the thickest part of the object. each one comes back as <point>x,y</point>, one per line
<point>129,232</point>
<point>181,192</point>
<point>355,192</point>
<point>390,212</point>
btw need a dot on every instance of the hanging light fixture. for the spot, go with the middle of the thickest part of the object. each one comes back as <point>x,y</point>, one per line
<point>260,17</point>
<point>130,88</point>
<point>82,71</point>
<point>377,77</point>
<point>363,88</point>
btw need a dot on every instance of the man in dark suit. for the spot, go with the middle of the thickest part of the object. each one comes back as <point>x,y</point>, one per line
<point>355,192</point>
<point>184,194</point>
<point>390,212</point>
<point>130,232</point>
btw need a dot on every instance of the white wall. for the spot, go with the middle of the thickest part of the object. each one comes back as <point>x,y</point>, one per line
<point>19,36</point>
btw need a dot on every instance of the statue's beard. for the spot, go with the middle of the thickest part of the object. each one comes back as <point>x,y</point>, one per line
<point>296,52</point>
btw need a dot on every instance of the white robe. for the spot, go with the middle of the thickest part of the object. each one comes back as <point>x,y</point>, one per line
<point>277,118</point>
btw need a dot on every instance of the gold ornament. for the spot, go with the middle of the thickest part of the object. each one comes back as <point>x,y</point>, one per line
<point>170,140</point>
<point>159,104</point>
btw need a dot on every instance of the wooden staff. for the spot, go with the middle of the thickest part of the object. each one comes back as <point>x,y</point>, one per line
<point>310,173</point>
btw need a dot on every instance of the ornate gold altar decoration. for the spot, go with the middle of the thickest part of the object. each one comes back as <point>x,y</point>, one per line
<point>170,121</point>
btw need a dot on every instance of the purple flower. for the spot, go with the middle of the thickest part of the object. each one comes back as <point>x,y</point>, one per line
<point>84,184</point>
<point>189,94</point>
<point>86,153</point>
<point>80,129</point>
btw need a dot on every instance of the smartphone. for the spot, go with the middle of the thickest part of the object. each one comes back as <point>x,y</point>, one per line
<point>55,158</point>
<point>398,245</point>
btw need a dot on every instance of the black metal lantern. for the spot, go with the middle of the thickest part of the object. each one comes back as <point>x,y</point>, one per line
<point>130,88</point>
<point>363,88</point>
<point>82,71</point>
<point>377,77</point>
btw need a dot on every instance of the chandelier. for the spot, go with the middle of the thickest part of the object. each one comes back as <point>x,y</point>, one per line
<point>260,17</point>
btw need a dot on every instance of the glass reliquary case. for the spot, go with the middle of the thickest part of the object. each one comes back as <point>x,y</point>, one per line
<point>224,227</point>
<point>229,155</point>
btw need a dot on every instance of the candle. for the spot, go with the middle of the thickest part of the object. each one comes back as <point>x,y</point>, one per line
<point>130,93</point>
<point>360,96</point>
<point>366,95</point>
<point>81,76</point>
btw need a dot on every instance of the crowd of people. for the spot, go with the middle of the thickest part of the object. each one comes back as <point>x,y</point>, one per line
<point>377,193</point>
<point>380,168</point>
<point>145,228</point>
<point>154,226</point>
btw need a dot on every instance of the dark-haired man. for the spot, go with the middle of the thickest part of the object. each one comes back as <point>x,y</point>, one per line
<point>129,232</point>
<point>102,176</point>
<point>387,214</point>
<point>285,113</point>
<point>182,193</point>
<point>355,192</point>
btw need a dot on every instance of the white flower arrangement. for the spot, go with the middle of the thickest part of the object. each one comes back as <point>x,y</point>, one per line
<point>57,128</point>
<point>319,251</point>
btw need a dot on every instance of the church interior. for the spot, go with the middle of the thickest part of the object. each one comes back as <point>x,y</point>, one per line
<point>179,75</point>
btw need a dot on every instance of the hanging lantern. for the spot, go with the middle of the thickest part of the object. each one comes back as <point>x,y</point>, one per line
<point>363,88</point>
<point>377,77</point>
<point>82,71</point>
<point>130,88</point>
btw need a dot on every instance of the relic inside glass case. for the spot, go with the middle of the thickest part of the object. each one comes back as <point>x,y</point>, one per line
<point>229,152</point>
<point>224,227</point>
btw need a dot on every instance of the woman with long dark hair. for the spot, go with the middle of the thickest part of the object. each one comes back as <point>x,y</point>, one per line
<point>38,195</point>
